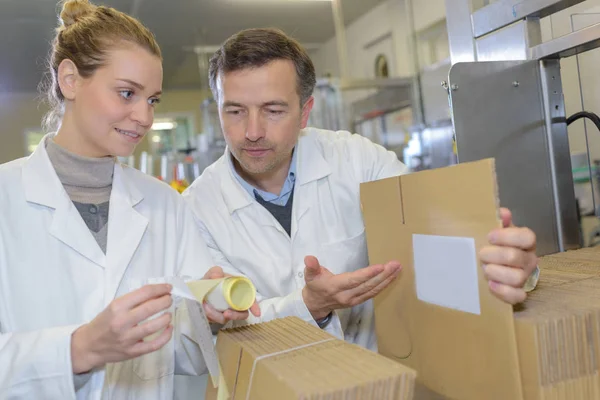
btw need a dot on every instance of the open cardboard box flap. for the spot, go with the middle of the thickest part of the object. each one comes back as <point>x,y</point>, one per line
<point>445,345</point>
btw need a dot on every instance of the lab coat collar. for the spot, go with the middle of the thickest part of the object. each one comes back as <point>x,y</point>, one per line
<point>126,226</point>
<point>311,166</point>
<point>236,197</point>
<point>42,185</point>
<point>40,182</point>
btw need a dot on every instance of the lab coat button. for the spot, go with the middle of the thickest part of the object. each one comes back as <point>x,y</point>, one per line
<point>300,275</point>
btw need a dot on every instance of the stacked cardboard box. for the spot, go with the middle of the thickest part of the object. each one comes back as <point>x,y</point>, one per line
<point>548,348</point>
<point>558,329</point>
<point>291,359</point>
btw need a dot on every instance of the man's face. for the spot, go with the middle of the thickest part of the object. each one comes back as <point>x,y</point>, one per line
<point>261,115</point>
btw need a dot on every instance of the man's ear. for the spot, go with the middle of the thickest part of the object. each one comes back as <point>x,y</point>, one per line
<point>306,108</point>
<point>67,79</point>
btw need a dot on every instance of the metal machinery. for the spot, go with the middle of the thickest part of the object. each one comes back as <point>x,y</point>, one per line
<point>385,117</point>
<point>379,109</point>
<point>506,101</point>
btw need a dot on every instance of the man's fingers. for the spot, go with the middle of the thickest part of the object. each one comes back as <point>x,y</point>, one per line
<point>142,347</point>
<point>255,309</point>
<point>148,328</point>
<point>506,216</point>
<point>514,277</point>
<point>214,273</point>
<point>213,315</point>
<point>507,294</point>
<point>522,238</point>
<point>509,256</point>
<point>389,270</point>
<point>311,268</point>
<point>377,289</point>
<point>352,280</point>
<point>148,309</point>
<point>232,315</point>
<point>143,294</point>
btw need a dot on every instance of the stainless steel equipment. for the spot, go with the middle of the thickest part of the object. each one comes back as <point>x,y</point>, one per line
<point>507,102</point>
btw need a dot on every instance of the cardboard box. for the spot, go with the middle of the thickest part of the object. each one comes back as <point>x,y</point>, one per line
<point>291,359</point>
<point>548,348</point>
<point>462,355</point>
<point>558,329</point>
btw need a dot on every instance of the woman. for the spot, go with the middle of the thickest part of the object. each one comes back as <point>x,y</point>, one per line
<point>81,233</point>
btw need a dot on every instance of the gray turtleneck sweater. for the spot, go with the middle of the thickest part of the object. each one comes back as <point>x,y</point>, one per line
<point>88,182</point>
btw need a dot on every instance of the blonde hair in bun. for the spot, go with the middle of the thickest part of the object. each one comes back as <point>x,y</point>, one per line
<point>85,35</point>
<point>75,10</point>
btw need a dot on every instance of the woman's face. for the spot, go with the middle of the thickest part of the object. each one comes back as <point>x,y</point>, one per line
<point>110,112</point>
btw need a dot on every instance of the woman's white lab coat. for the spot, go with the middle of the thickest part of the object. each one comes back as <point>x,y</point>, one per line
<point>326,222</point>
<point>54,277</point>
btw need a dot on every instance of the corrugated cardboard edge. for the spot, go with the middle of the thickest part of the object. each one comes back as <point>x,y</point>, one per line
<point>230,356</point>
<point>236,361</point>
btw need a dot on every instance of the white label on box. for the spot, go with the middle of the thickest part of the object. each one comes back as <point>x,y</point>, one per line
<point>446,272</point>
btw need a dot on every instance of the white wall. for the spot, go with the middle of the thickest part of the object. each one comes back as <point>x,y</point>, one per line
<point>382,30</point>
<point>428,12</point>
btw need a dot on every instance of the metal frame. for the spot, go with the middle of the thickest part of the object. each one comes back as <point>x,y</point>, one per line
<point>460,32</point>
<point>513,29</point>
<point>505,12</point>
<point>568,45</point>
<point>509,30</point>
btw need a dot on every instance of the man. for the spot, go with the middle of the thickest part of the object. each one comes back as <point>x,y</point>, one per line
<point>282,205</point>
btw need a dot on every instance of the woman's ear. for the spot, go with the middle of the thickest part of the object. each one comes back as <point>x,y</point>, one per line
<point>67,79</point>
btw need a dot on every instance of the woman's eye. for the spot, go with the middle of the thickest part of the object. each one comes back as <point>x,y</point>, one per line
<point>126,94</point>
<point>153,101</point>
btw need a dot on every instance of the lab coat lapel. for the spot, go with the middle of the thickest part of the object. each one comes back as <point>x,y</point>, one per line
<point>42,186</point>
<point>126,228</point>
<point>238,200</point>
<point>311,167</point>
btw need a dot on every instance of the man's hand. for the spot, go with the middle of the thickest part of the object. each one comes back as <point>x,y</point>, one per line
<point>509,259</point>
<point>117,333</point>
<point>228,315</point>
<point>325,292</point>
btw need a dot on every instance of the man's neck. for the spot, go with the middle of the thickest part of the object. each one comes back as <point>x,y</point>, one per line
<point>271,182</point>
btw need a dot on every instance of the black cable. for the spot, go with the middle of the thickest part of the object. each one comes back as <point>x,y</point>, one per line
<point>596,120</point>
<point>585,114</point>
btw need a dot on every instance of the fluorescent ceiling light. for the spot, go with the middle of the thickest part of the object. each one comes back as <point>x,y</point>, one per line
<point>163,126</point>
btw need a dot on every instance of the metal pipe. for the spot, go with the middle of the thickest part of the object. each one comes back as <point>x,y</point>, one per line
<point>135,8</point>
<point>460,31</point>
<point>417,107</point>
<point>340,38</point>
<point>585,131</point>
<point>203,69</point>
<point>551,151</point>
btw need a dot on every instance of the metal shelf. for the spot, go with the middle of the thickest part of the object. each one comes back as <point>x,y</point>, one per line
<point>568,45</point>
<point>504,12</point>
